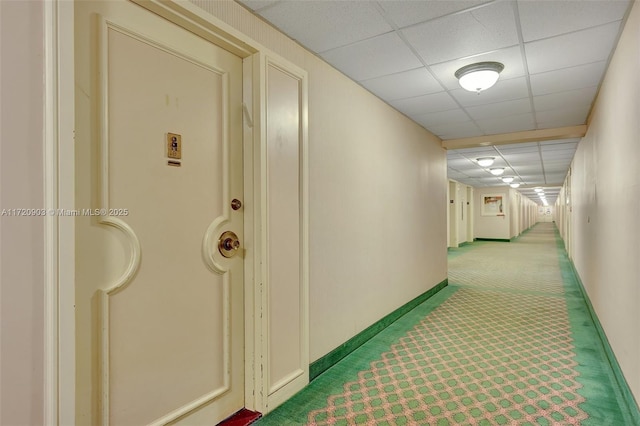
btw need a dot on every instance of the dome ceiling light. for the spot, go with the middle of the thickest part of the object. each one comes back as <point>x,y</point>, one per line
<point>507,179</point>
<point>479,76</point>
<point>515,185</point>
<point>485,161</point>
<point>497,171</point>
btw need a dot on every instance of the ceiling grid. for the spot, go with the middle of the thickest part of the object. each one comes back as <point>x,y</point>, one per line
<point>555,54</point>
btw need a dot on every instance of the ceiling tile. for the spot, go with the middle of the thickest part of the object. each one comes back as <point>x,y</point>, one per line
<point>559,122</point>
<point>504,90</point>
<point>455,130</point>
<point>404,13</point>
<point>588,75</point>
<point>567,142</point>
<point>558,157</point>
<point>571,99</point>
<point>480,151</point>
<point>443,117</point>
<point>323,25</point>
<point>563,117</point>
<point>519,147</point>
<point>572,49</point>
<point>523,159</point>
<point>555,178</point>
<point>375,57</point>
<point>403,84</point>
<point>518,106</point>
<point>258,4</point>
<point>550,18</point>
<point>509,124</point>
<point>567,47</point>
<point>421,105</point>
<point>455,36</point>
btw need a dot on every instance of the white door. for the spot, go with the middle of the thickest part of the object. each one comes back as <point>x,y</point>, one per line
<point>159,323</point>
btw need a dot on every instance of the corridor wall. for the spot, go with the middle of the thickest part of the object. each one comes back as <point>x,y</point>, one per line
<point>517,214</point>
<point>460,219</point>
<point>604,203</point>
<point>377,182</point>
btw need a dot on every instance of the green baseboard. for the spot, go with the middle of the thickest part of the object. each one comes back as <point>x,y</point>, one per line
<point>629,400</point>
<point>322,364</point>
<point>503,240</point>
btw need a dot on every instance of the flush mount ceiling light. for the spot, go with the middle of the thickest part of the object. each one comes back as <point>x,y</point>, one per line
<point>537,189</point>
<point>515,185</point>
<point>485,161</point>
<point>497,171</point>
<point>480,76</point>
<point>507,179</point>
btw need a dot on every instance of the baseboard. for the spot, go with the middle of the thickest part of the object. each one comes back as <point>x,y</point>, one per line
<point>503,240</point>
<point>629,400</point>
<point>322,364</point>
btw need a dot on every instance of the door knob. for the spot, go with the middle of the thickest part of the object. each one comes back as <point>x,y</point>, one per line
<point>228,244</point>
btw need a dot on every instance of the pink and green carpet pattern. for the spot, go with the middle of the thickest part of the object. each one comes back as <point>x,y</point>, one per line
<point>508,342</point>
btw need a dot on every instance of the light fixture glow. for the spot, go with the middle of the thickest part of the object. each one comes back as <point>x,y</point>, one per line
<point>480,76</point>
<point>485,161</point>
<point>507,179</point>
<point>537,189</point>
<point>515,185</point>
<point>497,171</point>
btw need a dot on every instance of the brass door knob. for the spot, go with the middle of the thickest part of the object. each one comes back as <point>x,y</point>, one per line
<point>228,244</point>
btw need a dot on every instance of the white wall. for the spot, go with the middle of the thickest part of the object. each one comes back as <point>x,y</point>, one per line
<point>494,227</point>
<point>605,195</point>
<point>546,214</point>
<point>377,185</point>
<point>519,214</point>
<point>21,238</point>
<point>460,214</point>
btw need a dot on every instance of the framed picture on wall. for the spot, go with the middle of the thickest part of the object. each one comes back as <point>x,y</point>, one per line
<point>493,205</point>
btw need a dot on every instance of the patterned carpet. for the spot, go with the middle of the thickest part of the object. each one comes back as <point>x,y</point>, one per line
<point>508,342</point>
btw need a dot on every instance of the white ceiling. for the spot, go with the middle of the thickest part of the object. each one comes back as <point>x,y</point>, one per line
<point>406,52</point>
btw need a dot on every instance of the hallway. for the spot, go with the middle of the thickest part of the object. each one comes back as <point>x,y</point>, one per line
<point>510,340</point>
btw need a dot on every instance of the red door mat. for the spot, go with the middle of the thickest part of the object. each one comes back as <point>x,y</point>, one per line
<point>243,417</point>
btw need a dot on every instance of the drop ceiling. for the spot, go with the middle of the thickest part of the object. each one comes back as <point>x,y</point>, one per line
<point>406,52</point>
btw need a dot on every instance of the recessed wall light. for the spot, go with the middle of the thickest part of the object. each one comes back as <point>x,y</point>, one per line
<point>507,179</point>
<point>485,161</point>
<point>479,76</point>
<point>497,171</point>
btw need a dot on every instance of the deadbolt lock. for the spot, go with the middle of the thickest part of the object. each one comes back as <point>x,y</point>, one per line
<point>228,244</point>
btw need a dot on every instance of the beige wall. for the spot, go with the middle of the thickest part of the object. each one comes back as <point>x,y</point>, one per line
<point>605,195</point>
<point>519,214</point>
<point>377,185</point>
<point>495,227</point>
<point>21,238</point>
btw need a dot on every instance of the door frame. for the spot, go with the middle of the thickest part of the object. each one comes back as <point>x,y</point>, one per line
<point>59,174</point>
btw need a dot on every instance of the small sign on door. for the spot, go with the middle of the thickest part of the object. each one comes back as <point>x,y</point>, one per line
<point>174,146</point>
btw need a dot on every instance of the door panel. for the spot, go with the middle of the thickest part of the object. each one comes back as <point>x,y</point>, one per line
<point>160,310</point>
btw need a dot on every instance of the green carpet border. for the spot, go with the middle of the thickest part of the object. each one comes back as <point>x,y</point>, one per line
<point>324,363</point>
<point>571,278</point>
